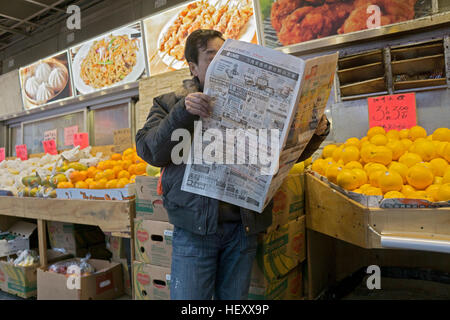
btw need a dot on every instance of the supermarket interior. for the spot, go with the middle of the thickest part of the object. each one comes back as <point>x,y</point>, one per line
<point>95,205</point>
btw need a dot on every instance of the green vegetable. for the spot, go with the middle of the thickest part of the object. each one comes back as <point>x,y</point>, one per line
<point>106,62</point>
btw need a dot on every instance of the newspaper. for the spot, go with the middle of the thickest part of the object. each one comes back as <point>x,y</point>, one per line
<point>256,88</point>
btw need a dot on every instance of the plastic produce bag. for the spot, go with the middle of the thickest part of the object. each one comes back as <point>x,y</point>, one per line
<point>25,258</point>
<point>67,267</point>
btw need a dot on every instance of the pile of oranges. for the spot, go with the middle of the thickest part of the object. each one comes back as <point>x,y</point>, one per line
<point>117,172</point>
<point>394,164</point>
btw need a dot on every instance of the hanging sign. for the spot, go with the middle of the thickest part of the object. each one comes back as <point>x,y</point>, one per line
<point>396,111</point>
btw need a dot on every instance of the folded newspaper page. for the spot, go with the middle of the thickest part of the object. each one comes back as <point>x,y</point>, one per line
<point>267,105</point>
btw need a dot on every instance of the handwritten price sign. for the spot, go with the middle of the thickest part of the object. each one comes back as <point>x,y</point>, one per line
<point>81,139</point>
<point>2,154</point>
<point>50,147</point>
<point>22,152</point>
<point>396,111</point>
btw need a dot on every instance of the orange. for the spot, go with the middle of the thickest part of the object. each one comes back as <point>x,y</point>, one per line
<point>101,165</point>
<point>393,135</point>
<point>357,190</point>
<point>443,193</point>
<point>420,195</point>
<point>379,140</point>
<point>318,166</point>
<point>109,174</point>
<point>438,166</point>
<point>417,132</point>
<point>109,164</point>
<point>347,179</point>
<point>328,162</point>
<point>425,149</point>
<point>404,133</point>
<point>116,169</point>
<point>353,165</point>
<point>441,134</point>
<point>123,174</point>
<point>420,177</point>
<point>373,191</point>
<point>349,153</point>
<point>64,185</point>
<point>132,169</point>
<point>425,164</point>
<point>76,176</point>
<point>141,167</point>
<point>407,189</point>
<point>81,185</point>
<point>407,143</point>
<point>332,172</point>
<point>365,187</point>
<point>373,166</point>
<point>363,139</point>
<point>337,153</point>
<point>116,156</point>
<point>89,180</point>
<point>438,180</point>
<point>390,181</point>
<point>366,143</point>
<point>111,184</point>
<point>394,195</point>
<point>126,164</point>
<point>101,184</point>
<point>400,168</point>
<point>409,159</point>
<point>446,177</point>
<point>361,176</point>
<point>446,151</point>
<point>374,131</point>
<point>127,152</point>
<point>397,148</point>
<point>374,178</point>
<point>93,185</point>
<point>91,172</point>
<point>432,190</point>
<point>99,175</point>
<point>137,159</point>
<point>378,154</point>
<point>133,179</point>
<point>122,183</point>
<point>328,150</point>
<point>352,142</point>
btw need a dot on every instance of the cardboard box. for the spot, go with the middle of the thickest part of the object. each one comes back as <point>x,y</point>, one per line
<point>289,287</point>
<point>149,205</point>
<point>153,242</point>
<point>288,201</point>
<point>117,247</point>
<point>279,251</point>
<point>150,282</point>
<point>126,268</point>
<point>105,284</point>
<point>23,230</point>
<point>127,193</point>
<point>22,281</point>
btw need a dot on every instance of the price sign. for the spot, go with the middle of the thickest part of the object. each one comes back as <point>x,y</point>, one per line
<point>50,135</point>
<point>122,140</point>
<point>68,135</point>
<point>81,139</point>
<point>50,147</point>
<point>396,111</point>
<point>2,154</point>
<point>22,152</point>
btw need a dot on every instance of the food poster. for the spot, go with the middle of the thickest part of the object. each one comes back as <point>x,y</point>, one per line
<point>115,58</point>
<point>46,81</point>
<point>287,22</point>
<point>166,32</point>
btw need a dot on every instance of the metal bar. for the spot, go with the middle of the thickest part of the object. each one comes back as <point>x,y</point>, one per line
<point>388,70</point>
<point>11,30</point>
<point>17,19</point>
<point>45,6</point>
<point>415,244</point>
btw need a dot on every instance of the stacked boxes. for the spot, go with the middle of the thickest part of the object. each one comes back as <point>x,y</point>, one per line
<point>153,243</point>
<point>117,246</point>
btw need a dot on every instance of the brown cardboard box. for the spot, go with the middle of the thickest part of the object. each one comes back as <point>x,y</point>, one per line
<point>289,287</point>
<point>279,251</point>
<point>153,242</point>
<point>116,246</point>
<point>126,275</point>
<point>150,282</point>
<point>149,204</point>
<point>105,284</point>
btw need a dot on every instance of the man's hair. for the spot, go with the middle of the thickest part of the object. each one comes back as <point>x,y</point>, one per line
<point>199,40</point>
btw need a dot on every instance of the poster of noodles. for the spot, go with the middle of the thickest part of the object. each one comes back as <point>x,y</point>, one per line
<point>112,59</point>
<point>166,32</point>
<point>46,81</point>
<point>287,22</point>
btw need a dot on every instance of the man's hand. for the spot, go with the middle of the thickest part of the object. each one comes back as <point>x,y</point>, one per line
<point>322,127</point>
<point>199,104</point>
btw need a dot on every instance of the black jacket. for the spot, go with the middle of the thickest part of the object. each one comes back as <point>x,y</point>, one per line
<point>195,213</point>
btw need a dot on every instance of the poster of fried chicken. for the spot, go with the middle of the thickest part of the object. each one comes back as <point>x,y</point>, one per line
<point>166,32</point>
<point>287,22</point>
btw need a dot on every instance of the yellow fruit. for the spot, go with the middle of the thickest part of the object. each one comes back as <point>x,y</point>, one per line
<point>393,135</point>
<point>308,162</point>
<point>446,177</point>
<point>297,168</point>
<point>109,174</point>
<point>409,159</point>
<point>443,193</point>
<point>374,178</point>
<point>328,150</point>
<point>91,172</point>
<point>394,195</point>
<point>101,184</point>
<point>365,186</point>
<point>122,182</point>
<point>77,166</point>
<point>332,172</point>
<point>116,169</point>
<point>417,132</point>
<point>81,185</point>
<point>133,179</point>
<point>111,184</point>
<point>372,166</point>
<point>76,176</point>
<point>425,149</point>
<point>99,175</point>
<point>101,165</point>
<point>421,195</point>
<point>123,174</point>
<point>374,131</point>
<point>378,154</point>
<point>349,153</point>
<point>318,166</point>
<point>64,185</point>
<point>407,189</point>
<point>373,191</point>
<point>337,153</point>
<point>353,165</point>
<point>420,177</point>
<point>397,148</point>
<point>116,156</point>
<point>441,134</point>
<point>390,181</point>
<point>366,144</point>
<point>352,142</point>
<point>88,181</point>
<point>445,151</point>
<point>141,168</point>
<point>432,190</point>
<point>438,166</point>
<point>407,143</point>
<point>357,190</point>
<point>404,133</point>
<point>347,179</point>
<point>379,140</point>
<point>361,176</point>
<point>400,168</point>
<point>438,180</point>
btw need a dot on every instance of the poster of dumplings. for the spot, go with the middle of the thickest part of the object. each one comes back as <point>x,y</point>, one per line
<point>166,32</point>
<point>112,59</point>
<point>288,22</point>
<point>46,81</point>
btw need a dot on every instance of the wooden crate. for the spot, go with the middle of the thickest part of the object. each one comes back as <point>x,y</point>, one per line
<point>334,214</point>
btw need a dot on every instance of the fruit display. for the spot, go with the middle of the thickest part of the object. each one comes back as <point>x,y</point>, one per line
<point>73,267</point>
<point>409,163</point>
<point>25,258</point>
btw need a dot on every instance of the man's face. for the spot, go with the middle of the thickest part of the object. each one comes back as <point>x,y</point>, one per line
<point>205,56</point>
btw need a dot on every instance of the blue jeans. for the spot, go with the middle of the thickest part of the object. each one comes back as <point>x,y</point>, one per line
<point>212,266</point>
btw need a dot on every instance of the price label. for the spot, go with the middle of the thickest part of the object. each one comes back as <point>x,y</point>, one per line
<point>81,139</point>
<point>396,111</point>
<point>50,147</point>
<point>50,135</point>
<point>68,135</point>
<point>122,140</point>
<point>2,154</point>
<point>22,152</point>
